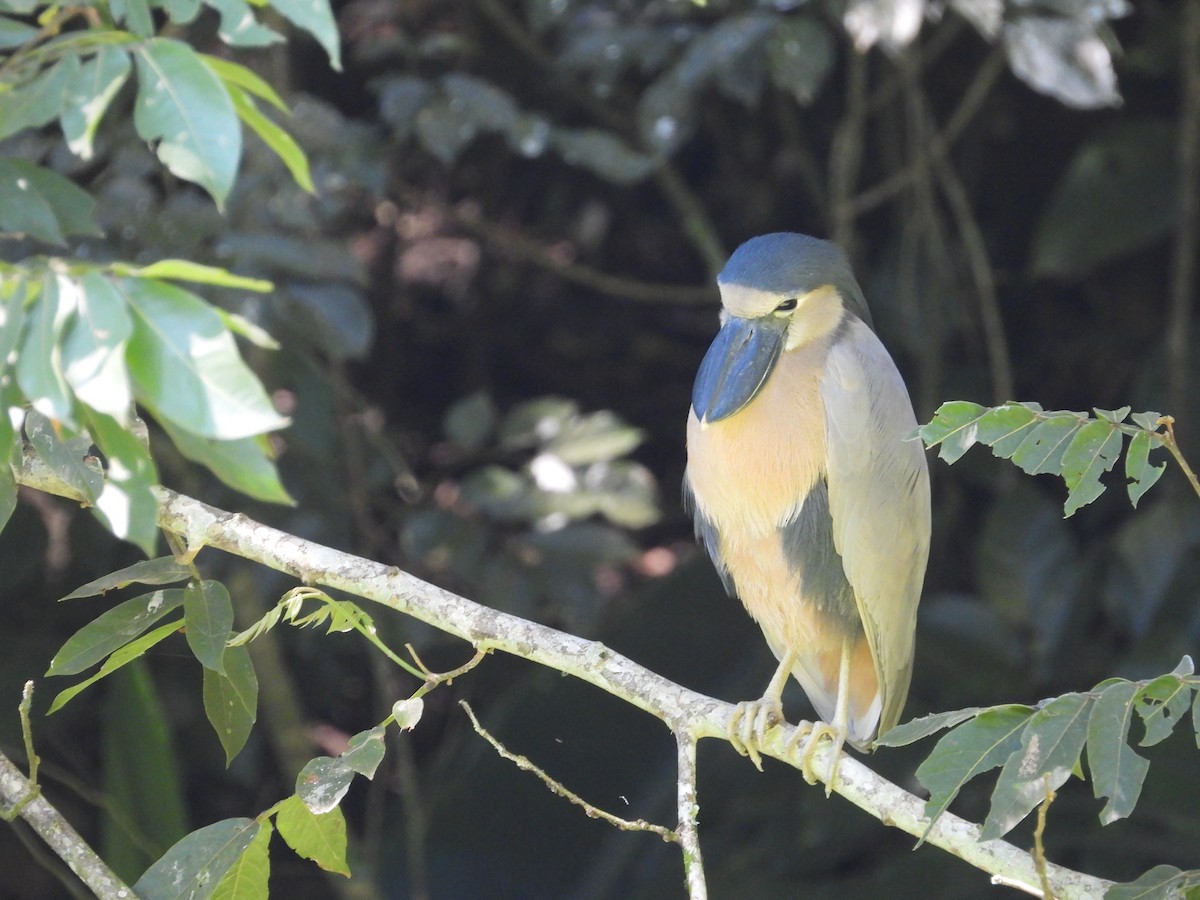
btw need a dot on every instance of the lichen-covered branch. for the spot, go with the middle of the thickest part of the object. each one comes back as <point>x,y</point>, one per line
<point>684,711</point>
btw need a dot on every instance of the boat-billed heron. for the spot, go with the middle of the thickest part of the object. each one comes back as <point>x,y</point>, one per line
<point>807,494</point>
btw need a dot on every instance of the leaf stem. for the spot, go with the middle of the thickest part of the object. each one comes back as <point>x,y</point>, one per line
<point>1039,850</point>
<point>1167,439</point>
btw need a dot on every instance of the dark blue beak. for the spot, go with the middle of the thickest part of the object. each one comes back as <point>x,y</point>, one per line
<point>737,365</point>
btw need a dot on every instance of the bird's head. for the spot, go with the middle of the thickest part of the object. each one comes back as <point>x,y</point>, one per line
<point>778,292</point>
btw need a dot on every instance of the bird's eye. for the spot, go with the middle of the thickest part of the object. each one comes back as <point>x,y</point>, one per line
<point>787,305</point>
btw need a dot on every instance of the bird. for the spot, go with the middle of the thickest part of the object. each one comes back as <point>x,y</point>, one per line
<point>808,492</point>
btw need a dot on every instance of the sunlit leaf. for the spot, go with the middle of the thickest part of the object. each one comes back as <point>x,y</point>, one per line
<point>1042,450</point>
<point>231,700</point>
<point>1051,744</point>
<point>1093,451</point>
<point>1064,57</point>
<point>93,348</point>
<point>954,427</point>
<point>39,100</point>
<point>1141,474</point>
<point>14,33</point>
<point>598,437</point>
<point>323,783</point>
<point>282,143</point>
<point>366,750</point>
<point>39,361</point>
<point>65,456</point>
<point>196,865</point>
<point>113,629</point>
<point>197,273</point>
<point>1117,772</point>
<point>208,615</point>
<point>315,17</point>
<point>186,368</point>
<point>918,729</point>
<point>244,464</point>
<point>319,837</point>
<point>247,879</point>
<point>184,109</point>
<point>1161,704</point>
<point>89,95</point>
<point>976,746</point>
<point>163,570</point>
<point>127,505</point>
<point>407,712</point>
<point>135,14</point>
<point>248,80</point>
<point>239,27</point>
<point>120,657</point>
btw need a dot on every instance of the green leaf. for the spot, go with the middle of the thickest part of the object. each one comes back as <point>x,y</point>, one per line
<point>135,14</point>
<point>1142,476</point>
<point>247,878</point>
<point>602,153</point>
<point>471,421</point>
<point>1160,883</point>
<point>1004,428</point>
<point>319,837</point>
<point>231,700</point>
<point>93,348</point>
<point>196,865</point>
<point>1042,450</point>
<point>323,782</point>
<point>800,53</point>
<point>89,95</point>
<point>208,615</point>
<point>281,143</point>
<point>971,749</point>
<point>1117,772</point>
<point>1125,176</point>
<point>39,100</point>
<point>366,751</point>
<point>315,17</point>
<point>1161,704</point>
<point>8,490</point>
<point>919,729</point>
<point>243,327</point>
<point>954,426</point>
<point>127,505</point>
<point>186,368</point>
<point>112,630</point>
<point>185,108</point>
<point>197,273</point>
<point>247,79</point>
<point>1093,451</point>
<point>1147,420</point>
<point>163,570</point>
<point>120,657</point>
<point>239,27</point>
<point>407,713</point>
<point>66,457</point>
<point>139,761</point>
<point>13,292</point>
<point>39,360</point>
<point>599,437</point>
<point>1196,717</point>
<point>43,204</point>
<point>14,33</point>
<point>1051,744</point>
<point>245,465</point>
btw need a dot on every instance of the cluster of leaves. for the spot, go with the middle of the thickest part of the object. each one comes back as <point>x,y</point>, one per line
<point>230,858</point>
<point>91,341</point>
<point>555,483</point>
<point>1057,48</point>
<point>1040,747</point>
<point>1074,445</point>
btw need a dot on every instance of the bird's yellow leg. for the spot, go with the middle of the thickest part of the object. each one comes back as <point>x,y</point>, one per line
<point>835,731</point>
<point>754,718</point>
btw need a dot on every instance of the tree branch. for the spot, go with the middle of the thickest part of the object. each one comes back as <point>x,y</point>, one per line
<point>687,713</point>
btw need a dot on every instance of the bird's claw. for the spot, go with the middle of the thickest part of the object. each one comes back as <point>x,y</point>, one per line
<point>751,721</point>
<point>812,733</point>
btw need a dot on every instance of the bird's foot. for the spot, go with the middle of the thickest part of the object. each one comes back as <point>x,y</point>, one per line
<point>750,722</point>
<point>812,734</point>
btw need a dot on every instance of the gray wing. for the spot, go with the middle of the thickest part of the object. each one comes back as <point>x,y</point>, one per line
<point>707,534</point>
<point>878,500</point>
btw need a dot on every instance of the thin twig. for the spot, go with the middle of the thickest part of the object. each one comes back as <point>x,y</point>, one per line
<point>1039,849</point>
<point>557,787</point>
<point>939,146</point>
<point>688,830</point>
<point>1167,438</point>
<point>846,154</point>
<point>514,244</point>
<point>433,679</point>
<point>1183,261</point>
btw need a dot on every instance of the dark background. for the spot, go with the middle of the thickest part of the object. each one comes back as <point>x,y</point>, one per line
<point>475,245</point>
